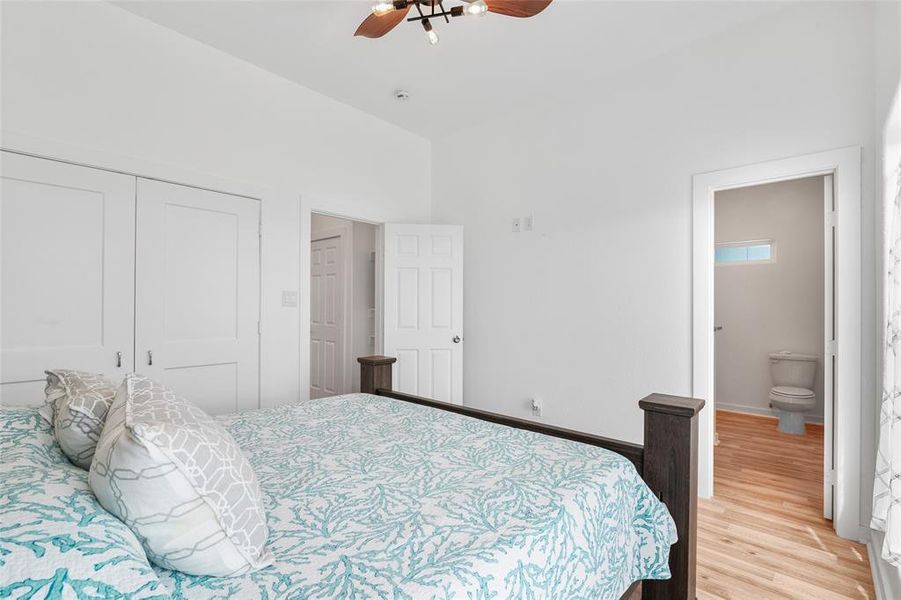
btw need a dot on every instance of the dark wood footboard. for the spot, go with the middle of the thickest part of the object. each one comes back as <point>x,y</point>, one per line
<point>668,462</point>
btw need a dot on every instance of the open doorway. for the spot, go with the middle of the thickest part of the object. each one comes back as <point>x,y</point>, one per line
<point>773,300</point>
<point>776,280</point>
<point>842,423</point>
<point>342,302</point>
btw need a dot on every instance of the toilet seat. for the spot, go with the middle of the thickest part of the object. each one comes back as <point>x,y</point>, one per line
<point>791,392</point>
<point>797,398</point>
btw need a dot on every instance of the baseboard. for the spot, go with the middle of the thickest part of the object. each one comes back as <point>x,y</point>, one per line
<point>761,411</point>
<point>886,578</point>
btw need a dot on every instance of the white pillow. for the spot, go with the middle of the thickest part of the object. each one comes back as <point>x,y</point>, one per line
<point>78,403</point>
<point>180,482</point>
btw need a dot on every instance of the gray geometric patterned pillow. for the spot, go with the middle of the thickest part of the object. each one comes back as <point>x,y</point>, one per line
<point>78,403</point>
<point>178,479</point>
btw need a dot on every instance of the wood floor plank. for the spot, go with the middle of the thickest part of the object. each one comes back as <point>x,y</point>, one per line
<point>763,534</point>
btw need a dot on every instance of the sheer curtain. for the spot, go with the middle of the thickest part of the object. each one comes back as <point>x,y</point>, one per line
<point>887,487</point>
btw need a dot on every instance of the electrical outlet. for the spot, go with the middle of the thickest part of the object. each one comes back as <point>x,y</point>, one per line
<point>527,223</point>
<point>289,298</point>
<point>536,407</point>
<point>516,225</point>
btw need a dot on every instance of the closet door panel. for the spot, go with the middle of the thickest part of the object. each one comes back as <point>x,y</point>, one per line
<point>66,273</point>
<point>197,295</point>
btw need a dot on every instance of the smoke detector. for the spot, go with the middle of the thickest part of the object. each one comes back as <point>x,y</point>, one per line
<point>401,95</point>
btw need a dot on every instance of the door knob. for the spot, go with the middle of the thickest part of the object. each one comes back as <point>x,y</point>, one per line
<point>457,339</point>
<point>150,358</point>
<point>717,328</point>
<point>118,360</point>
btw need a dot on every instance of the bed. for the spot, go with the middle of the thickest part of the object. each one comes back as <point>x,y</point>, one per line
<point>367,496</point>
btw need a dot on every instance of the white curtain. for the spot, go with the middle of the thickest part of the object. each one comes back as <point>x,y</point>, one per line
<point>887,488</point>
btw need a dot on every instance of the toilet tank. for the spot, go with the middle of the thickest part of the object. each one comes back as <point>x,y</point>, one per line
<point>793,369</point>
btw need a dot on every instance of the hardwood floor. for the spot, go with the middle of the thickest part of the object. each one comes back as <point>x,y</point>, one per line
<point>763,535</point>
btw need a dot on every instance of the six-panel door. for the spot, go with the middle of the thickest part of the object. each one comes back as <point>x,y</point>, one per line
<point>327,297</point>
<point>423,287</point>
<point>67,269</point>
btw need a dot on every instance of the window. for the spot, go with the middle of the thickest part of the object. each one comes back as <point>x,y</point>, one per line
<point>745,253</point>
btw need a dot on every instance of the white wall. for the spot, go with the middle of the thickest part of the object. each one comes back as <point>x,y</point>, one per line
<point>769,307</point>
<point>90,82</point>
<point>592,310</point>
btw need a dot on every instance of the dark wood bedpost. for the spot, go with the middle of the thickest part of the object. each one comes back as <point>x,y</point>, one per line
<point>671,471</point>
<point>375,373</point>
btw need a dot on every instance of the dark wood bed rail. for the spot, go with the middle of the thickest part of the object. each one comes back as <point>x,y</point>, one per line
<point>668,462</point>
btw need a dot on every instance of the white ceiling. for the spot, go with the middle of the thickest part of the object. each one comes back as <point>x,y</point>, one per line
<point>480,67</point>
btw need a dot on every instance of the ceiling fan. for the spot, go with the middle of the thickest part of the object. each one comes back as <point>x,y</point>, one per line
<point>387,14</point>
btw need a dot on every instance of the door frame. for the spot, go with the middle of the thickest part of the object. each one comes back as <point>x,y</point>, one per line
<point>346,233</point>
<point>307,210</point>
<point>844,165</point>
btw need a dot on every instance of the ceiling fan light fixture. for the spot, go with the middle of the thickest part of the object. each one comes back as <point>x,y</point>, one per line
<point>477,8</point>
<point>388,14</point>
<point>430,33</point>
<point>382,7</point>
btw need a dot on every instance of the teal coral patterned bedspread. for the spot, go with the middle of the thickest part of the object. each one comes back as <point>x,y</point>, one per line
<point>369,497</point>
<point>56,541</point>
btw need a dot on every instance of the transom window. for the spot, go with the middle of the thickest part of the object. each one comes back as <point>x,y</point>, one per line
<point>745,253</point>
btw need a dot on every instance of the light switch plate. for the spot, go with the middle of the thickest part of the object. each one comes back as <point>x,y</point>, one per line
<point>516,225</point>
<point>527,223</point>
<point>289,298</point>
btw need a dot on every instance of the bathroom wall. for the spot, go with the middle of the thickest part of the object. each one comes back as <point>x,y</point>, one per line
<point>362,292</point>
<point>774,306</point>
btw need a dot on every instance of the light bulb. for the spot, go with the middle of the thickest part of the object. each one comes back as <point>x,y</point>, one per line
<point>382,7</point>
<point>477,8</point>
<point>431,33</point>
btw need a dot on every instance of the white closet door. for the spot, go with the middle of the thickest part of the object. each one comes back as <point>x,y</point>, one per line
<point>423,286</point>
<point>197,298</point>
<point>67,265</point>
<point>327,317</point>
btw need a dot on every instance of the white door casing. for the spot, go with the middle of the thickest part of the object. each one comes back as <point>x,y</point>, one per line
<point>829,349</point>
<point>197,294</point>
<point>67,273</point>
<point>423,308</point>
<point>844,165</point>
<point>327,316</point>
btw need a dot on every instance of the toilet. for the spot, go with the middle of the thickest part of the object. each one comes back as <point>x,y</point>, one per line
<point>791,396</point>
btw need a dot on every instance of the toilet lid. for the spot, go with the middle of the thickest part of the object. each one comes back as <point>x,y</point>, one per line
<point>792,392</point>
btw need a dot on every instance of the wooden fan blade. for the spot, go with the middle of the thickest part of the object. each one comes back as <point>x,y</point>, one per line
<point>375,27</point>
<point>517,8</point>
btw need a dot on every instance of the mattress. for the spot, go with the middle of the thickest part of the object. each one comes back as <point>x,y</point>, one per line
<point>370,497</point>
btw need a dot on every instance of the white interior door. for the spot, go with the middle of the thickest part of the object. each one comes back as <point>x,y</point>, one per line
<point>423,309</point>
<point>829,355</point>
<point>67,264</point>
<point>327,317</point>
<point>198,294</point>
